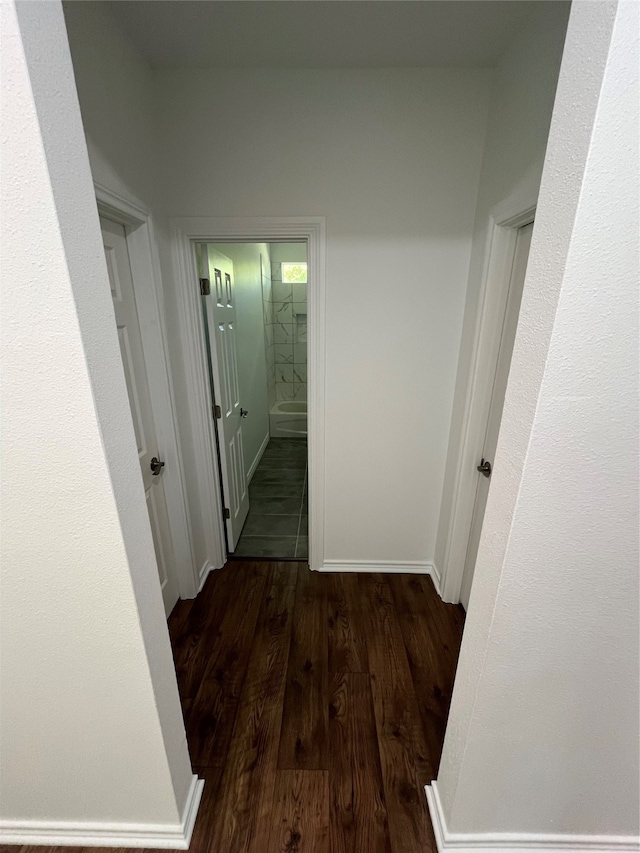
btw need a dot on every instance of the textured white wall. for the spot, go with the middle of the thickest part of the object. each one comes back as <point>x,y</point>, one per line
<point>522,96</point>
<point>91,724</point>
<point>115,89</point>
<point>543,730</point>
<point>252,366</point>
<point>392,159</point>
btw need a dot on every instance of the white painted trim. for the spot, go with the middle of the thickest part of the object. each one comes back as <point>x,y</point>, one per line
<point>420,567</point>
<point>436,577</point>
<point>198,393</point>
<point>204,574</point>
<point>259,455</point>
<point>190,810</point>
<point>145,269</point>
<point>478,842</point>
<point>186,232</point>
<point>98,834</point>
<point>505,219</point>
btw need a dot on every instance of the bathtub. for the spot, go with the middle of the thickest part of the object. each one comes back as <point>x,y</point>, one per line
<point>288,419</point>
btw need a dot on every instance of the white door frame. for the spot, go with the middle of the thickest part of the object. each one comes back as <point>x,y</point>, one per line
<point>504,221</point>
<point>145,271</point>
<point>184,234</point>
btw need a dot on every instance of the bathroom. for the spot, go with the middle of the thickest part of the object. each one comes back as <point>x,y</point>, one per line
<point>266,284</point>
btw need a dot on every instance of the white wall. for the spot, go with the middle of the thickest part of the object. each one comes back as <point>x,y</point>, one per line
<point>252,365</point>
<point>288,252</point>
<point>543,730</point>
<point>522,96</point>
<point>91,729</point>
<point>115,89</point>
<point>392,159</point>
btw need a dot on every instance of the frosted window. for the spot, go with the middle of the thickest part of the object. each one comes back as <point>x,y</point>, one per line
<point>294,273</point>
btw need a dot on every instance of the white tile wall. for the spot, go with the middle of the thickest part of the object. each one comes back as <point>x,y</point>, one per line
<point>283,333</point>
<point>283,312</point>
<point>288,323</point>
<point>267,306</point>
<point>282,292</point>
<point>300,293</point>
<point>276,272</point>
<point>284,353</point>
<point>284,373</point>
<point>299,373</point>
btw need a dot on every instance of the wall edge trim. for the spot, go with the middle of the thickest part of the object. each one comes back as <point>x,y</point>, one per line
<point>259,454</point>
<point>184,233</point>
<point>103,834</point>
<point>422,567</point>
<point>206,568</point>
<point>483,842</point>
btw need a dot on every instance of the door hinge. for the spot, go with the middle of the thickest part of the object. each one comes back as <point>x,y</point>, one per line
<point>205,287</point>
<point>485,467</point>
<point>227,514</point>
<point>217,412</point>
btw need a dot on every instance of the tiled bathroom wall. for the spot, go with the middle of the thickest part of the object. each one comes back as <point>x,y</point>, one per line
<point>267,307</point>
<point>289,312</point>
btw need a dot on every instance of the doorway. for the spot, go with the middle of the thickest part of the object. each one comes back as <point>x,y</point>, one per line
<point>483,388</point>
<point>254,312</point>
<point>205,487</point>
<point>499,387</point>
<point>114,238</point>
<point>138,282</point>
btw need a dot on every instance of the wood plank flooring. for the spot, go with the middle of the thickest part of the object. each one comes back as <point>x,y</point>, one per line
<point>315,707</point>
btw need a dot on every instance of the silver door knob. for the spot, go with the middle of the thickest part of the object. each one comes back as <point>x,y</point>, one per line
<point>485,467</point>
<point>156,466</point>
<point>243,413</point>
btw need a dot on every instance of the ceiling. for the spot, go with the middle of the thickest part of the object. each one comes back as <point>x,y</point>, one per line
<point>322,33</point>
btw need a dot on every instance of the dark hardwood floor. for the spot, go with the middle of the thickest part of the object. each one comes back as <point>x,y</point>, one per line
<point>315,707</point>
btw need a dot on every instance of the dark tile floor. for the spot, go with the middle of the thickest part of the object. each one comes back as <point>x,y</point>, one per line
<point>277,525</point>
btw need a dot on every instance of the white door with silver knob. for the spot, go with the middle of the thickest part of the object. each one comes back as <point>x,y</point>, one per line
<point>509,326</point>
<point>222,332</point>
<point>116,250</point>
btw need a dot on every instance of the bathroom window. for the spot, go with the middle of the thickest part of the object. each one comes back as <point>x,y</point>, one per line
<point>294,273</point>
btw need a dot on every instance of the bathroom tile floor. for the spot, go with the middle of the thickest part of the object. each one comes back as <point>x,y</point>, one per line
<point>277,525</point>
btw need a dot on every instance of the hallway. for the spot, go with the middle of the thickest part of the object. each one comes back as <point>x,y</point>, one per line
<point>315,707</point>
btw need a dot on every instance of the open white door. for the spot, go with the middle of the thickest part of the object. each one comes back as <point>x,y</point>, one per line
<point>119,266</point>
<point>220,317</point>
<point>509,326</point>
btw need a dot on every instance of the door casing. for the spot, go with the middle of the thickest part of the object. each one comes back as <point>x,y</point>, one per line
<point>145,270</point>
<point>496,404</point>
<point>504,221</point>
<point>185,233</point>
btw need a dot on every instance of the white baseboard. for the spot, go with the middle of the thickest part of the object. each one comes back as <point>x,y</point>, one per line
<point>256,461</point>
<point>190,810</point>
<point>435,577</point>
<point>519,842</point>
<point>203,574</point>
<point>81,834</point>
<point>420,567</point>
